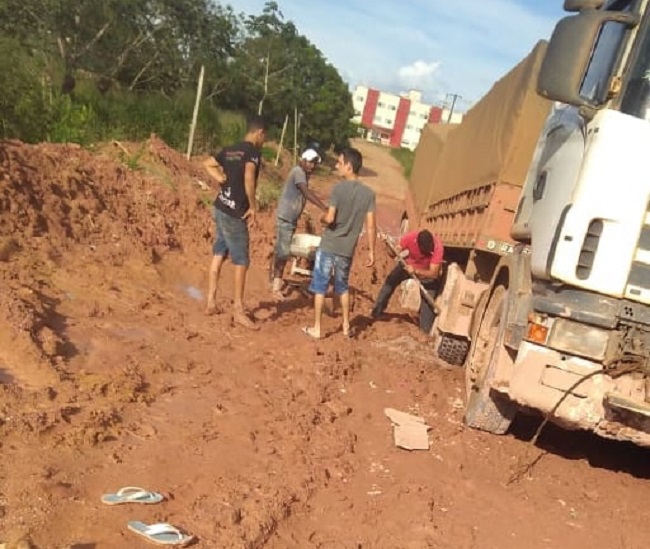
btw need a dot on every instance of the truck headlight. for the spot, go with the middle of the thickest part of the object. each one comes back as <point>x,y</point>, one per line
<point>578,339</point>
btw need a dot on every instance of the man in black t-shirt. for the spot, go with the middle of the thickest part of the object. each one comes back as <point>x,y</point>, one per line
<point>236,168</point>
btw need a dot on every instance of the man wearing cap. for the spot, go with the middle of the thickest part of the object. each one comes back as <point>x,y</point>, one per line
<point>292,202</point>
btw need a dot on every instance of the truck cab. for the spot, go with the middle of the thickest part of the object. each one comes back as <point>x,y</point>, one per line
<point>565,326</point>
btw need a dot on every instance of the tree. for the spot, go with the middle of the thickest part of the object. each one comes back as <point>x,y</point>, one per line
<point>275,69</point>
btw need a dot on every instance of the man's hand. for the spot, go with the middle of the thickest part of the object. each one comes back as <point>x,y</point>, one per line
<point>409,269</point>
<point>250,217</point>
<point>215,170</point>
<point>371,259</point>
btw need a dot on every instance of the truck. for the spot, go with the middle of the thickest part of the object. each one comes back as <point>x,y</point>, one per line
<point>555,316</point>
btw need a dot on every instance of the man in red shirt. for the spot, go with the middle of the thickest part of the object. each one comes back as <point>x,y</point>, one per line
<point>422,254</point>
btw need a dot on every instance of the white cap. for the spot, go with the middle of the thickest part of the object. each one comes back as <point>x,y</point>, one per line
<point>310,155</point>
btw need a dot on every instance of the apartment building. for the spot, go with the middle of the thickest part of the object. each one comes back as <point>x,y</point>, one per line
<point>396,120</point>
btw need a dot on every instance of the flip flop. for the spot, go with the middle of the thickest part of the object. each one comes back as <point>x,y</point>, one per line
<point>307,331</point>
<point>160,533</point>
<point>132,494</point>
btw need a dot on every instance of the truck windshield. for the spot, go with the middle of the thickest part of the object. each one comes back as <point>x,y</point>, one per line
<point>636,98</point>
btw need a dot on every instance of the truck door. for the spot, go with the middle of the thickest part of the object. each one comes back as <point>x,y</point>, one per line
<point>550,186</point>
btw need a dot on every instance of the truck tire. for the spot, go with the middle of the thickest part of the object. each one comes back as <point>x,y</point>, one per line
<point>486,409</point>
<point>453,349</point>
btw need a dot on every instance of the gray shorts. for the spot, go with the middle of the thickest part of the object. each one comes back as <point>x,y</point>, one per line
<point>232,238</point>
<point>284,231</point>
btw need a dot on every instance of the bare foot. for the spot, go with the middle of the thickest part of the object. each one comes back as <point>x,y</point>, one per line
<point>212,309</point>
<point>278,295</point>
<point>240,317</point>
<point>311,332</point>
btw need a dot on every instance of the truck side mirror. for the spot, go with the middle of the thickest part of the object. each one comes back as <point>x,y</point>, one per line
<point>570,52</point>
<point>579,5</point>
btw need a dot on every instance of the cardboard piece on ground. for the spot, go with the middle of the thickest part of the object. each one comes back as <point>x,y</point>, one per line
<point>412,436</point>
<point>401,418</point>
<point>410,432</point>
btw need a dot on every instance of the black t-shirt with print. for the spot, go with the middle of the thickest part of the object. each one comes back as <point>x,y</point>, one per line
<point>232,197</point>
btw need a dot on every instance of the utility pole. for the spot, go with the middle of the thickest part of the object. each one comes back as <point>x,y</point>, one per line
<point>284,129</point>
<point>195,114</point>
<point>454,97</point>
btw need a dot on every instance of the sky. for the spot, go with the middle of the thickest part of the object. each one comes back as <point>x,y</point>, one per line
<point>440,47</point>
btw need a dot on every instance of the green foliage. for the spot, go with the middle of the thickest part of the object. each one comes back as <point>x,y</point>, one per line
<point>233,127</point>
<point>268,154</point>
<point>268,194</point>
<point>406,158</point>
<point>133,160</point>
<point>23,94</point>
<point>83,71</point>
<point>71,122</point>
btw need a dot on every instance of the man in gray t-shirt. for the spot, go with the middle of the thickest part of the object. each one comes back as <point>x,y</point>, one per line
<point>351,204</point>
<point>295,194</point>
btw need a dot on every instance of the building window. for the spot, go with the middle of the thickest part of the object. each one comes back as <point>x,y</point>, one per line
<point>361,98</point>
<point>392,107</point>
<point>381,105</point>
<point>389,121</point>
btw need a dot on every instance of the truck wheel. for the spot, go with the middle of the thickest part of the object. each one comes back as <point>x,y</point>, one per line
<point>487,410</point>
<point>453,349</point>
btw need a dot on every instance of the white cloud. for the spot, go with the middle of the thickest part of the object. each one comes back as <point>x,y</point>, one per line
<point>419,75</point>
<point>475,42</point>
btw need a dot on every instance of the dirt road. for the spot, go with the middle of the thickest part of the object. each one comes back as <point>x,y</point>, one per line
<point>112,376</point>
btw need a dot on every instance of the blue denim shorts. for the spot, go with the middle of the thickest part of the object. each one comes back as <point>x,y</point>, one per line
<point>284,231</point>
<point>324,265</point>
<point>232,238</point>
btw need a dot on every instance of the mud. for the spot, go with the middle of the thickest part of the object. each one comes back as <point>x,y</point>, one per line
<point>111,375</point>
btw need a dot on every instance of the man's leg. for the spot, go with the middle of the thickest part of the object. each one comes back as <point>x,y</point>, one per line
<point>427,314</point>
<point>393,280</point>
<point>320,277</point>
<point>239,315</point>
<point>278,270</point>
<point>219,253</point>
<point>345,307</point>
<point>282,252</point>
<point>238,239</point>
<point>213,283</point>
<point>319,300</point>
<point>342,268</point>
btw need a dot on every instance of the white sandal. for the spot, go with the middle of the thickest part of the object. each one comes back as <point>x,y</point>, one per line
<point>160,533</point>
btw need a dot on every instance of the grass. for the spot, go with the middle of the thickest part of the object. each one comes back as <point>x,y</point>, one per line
<point>406,158</point>
<point>132,161</point>
<point>268,194</point>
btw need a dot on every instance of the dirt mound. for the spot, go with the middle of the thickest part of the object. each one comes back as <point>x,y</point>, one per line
<point>57,196</point>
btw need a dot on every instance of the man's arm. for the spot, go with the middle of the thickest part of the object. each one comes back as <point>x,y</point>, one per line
<point>249,185</point>
<point>311,196</point>
<point>215,170</point>
<point>431,273</point>
<point>329,216</point>
<point>371,229</point>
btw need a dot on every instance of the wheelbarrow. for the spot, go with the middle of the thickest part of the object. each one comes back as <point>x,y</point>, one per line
<point>303,251</point>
